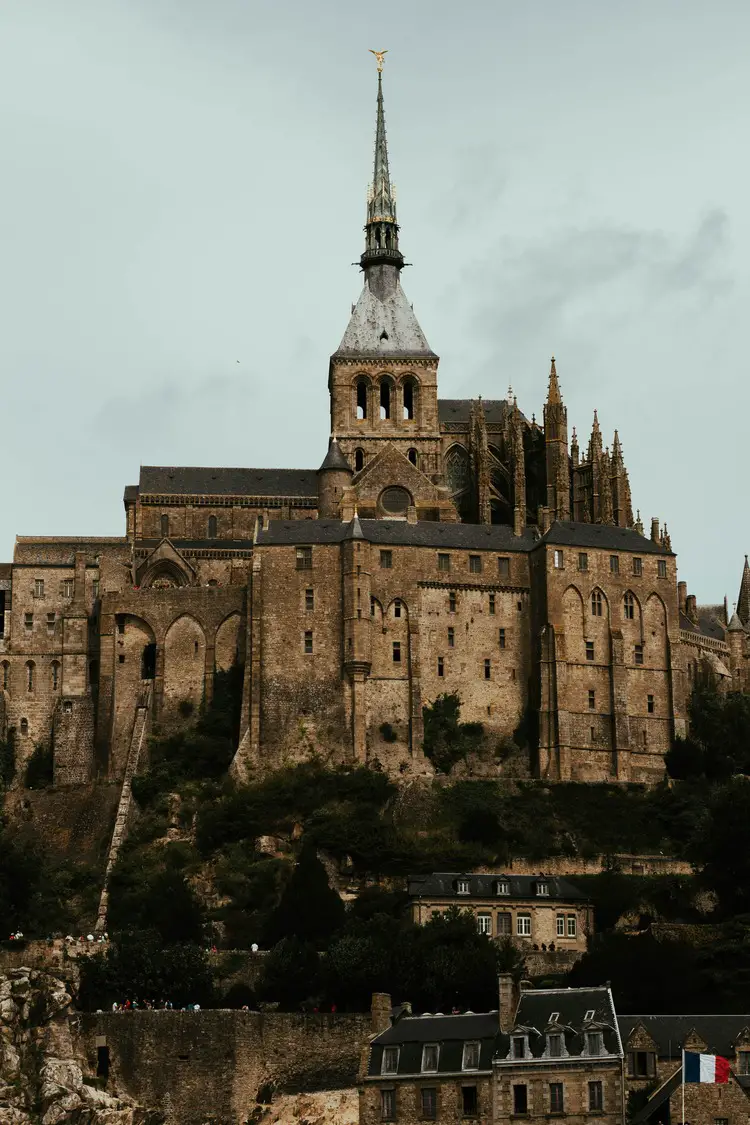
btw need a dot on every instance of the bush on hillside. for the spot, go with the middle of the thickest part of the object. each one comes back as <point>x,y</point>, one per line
<point>39,768</point>
<point>446,739</point>
<point>139,966</point>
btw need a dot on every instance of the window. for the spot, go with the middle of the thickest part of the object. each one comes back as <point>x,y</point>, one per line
<point>628,606</point>
<point>30,669</point>
<point>592,699</point>
<point>554,1017</point>
<point>395,501</point>
<point>361,407</point>
<point>721,1121</point>
<point>463,886</point>
<point>304,558</point>
<point>470,1106</point>
<point>441,667</point>
<point>596,603</point>
<point>638,654</point>
<point>503,924</point>
<point>412,455</point>
<point>743,1062</point>
<point>389,1064</point>
<point>397,652</point>
<point>583,560</point>
<point>121,658</point>
<point>503,567</point>
<point>386,560</point>
<point>641,1064</point>
<point>560,925</point>
<point>650,704</point>
<point>502,887</point>
<point>557,560</point>
<point>596,1097</point>
<point>638,567</point>
<point>556,1103</point>
<point>212,527</point>
<point>385,398</point>
<point>523,925</point>
<point>492,603</point>
<point>444,562</point>
<point>593,735</point>
<point>309,600</point>
<point>501,638</point>
<point>589,650</point>
<point>475,564</point>
<point>594,1043</point>
<point>308,641</point>
<point>520,1099</point>
<point>164,526</point>
<point>451,636</point>
<point>661,568</point>
<point>614,564</point>
<point>542,889</point>
<point>429,1102</point>
<point>359,460</point>
<point>67,588</point>
<point>518,1047</point>
<point>452,601</point>
<point>388,1105</point>
<point>590,1013</point>
<point>471,1056</point>
<point>645,738</point>
<point>487,670</point>
<point>24,726</point>
<point>397,608</point>
<point>6,675</point>
<point>95,588</point>
<point>484,924</point>
<point>430,1055</point>
<point>572,925</point>
<point>28,620</point>
<point>38,587</point>
<point>55,669</point>
<point>554,1046</point>
<point>51,617</point>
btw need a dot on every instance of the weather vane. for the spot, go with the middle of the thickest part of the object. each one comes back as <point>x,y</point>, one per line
<point>379,56</point>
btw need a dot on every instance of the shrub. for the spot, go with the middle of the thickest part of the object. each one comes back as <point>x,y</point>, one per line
<point>39,767</point>
<point>138,965</point>
<point>7,762</point>
<point>446,739</point>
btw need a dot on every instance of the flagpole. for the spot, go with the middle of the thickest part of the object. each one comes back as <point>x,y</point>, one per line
<point>683,1086</point>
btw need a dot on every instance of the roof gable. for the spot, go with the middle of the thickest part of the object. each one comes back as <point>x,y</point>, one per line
<point>383,328</point>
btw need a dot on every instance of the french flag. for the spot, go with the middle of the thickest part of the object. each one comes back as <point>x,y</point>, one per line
<point>704,1068</point>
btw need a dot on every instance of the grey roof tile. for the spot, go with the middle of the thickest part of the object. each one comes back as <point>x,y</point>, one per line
<point>571,1005</point>
<point>566,533</point>
<point>670,1032</point>
<point>195,481</point>
<point>443,884</point>
<point>450,1031</point>
<point>383,328</point>
<point>425,533</point>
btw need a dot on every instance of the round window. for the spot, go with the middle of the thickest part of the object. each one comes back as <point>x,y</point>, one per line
<point>395,501</point>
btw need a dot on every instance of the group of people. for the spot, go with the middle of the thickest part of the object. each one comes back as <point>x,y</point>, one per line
<point>17,936</point>
<point>100,939</point>
<point>152,1006</point>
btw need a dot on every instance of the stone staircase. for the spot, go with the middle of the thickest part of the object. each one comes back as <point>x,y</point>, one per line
<point>123,809</point>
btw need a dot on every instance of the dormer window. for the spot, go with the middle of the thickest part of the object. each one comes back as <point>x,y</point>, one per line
<point>594,1043</point>
<point>554,1017</point>
<point>589,1015</point>
<point>389,1064</point>
<point>430,1057</point>
<point>463,886</point>
<point>542,889</point>
<point>518,1047</point>
<point>470,1059</point>
<point>555,1046</point>
<point>502,887</point>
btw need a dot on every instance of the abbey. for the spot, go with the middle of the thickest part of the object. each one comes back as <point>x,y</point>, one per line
<point>442,546</point>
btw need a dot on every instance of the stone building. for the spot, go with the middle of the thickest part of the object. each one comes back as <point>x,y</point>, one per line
<point>538,912</point>
<point>442,546</point>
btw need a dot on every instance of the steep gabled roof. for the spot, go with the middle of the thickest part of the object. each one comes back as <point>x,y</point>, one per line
<point>387,329</point>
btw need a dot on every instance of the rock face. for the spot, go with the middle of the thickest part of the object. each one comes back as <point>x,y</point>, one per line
<point>42,1064</point>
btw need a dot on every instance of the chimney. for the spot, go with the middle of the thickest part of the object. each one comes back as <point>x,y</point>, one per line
<point>654,529</point>
<point>691,608</point>
<point>682,595</point>
<point>507,1001</point>
<point>380,1012</point>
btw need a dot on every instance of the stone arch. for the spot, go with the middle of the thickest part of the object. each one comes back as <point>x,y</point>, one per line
<point>359,460</point>
<point>597,597</point>
<point>184,665</point>
<point>410,388</point>
<point>458,478</point>
<point>630,602</point>
<point>361,385</point>
<point>655,630</point>
<point>396,610</point>
<point>574,623</point>
<point>227,643</point>
<point>165,574</point>
<point>387,386</point>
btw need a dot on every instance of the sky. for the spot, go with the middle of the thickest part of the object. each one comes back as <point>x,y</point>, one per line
<point>183,184</point>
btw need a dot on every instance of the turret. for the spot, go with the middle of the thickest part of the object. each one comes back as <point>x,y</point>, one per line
<point>556,449</point>
<point>334,475</point>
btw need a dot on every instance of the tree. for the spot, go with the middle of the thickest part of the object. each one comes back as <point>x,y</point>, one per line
<point>160,900</point>
<point>290,973</point>
<point>139,966</point>
<point>720,845</point>
<point>309,908</point>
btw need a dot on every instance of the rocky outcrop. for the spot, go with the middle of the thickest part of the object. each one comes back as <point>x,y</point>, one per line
<point>42,1063</point>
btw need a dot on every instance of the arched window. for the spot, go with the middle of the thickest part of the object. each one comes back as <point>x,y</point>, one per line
<point>413,456</point>
<point>410,396</point>
<point>361,406</point>
<point>359,460</point>
<point>55,674</point>
<point>164,526</point>
<point>385,398</point>
<point>212,527</point>
<point>628,605</point>
<point>24,726</point>
<point>30,669</point>
<point>6,675</point>
<point>596,603</point>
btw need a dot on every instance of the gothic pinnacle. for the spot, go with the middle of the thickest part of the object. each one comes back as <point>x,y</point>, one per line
<point>553,394</point>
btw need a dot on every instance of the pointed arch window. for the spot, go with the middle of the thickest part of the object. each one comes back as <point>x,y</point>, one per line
<point>359,460</point>
<point>596,603</point>
<point>212,527</point>
<point>628,606</point>
<point>361,399</point>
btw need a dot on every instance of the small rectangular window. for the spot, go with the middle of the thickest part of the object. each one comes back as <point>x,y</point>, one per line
<point>452,601</point>
<point>441,667</point>
<point>470,1056</point>
<point>304,558</point>
<point>572,925</point>
<point>554,1046</point>
<point>487,670</point>
<point>463,886</point>
<point>120,627</point>
<point>470,1101</point>
<point>38,587</point>
<point>542,889</point>
<point>592,699</point>
<point>650,704</point>
<point>558,560</point>
<point>430,1054</point>
<point>638,567</point>
<point>583,560</point>
<point>386,560</point>
<point>661,568</point>
<point>520,1099</point>
<point>561,925</point>
<point>594,1043</point>
<point>28,620</point>
<point>389,1064</point>
<point>519,1047</point>
<point>451,636</point>
<point>504,928</point>
<point>502,887</point>
<point>641,1064</point>
<point>484,923</point>
<point>596,1097</point>
<point>429,1102</point>
<point>387,1105</point>
<point>444,562</point>
<point>523,925</point>
<point>309,600</point>
<point>556,1102</point>
<point>501,638</point>
<point>397,652</point>
<point>67,588</point>
<point>308,641</point>
<point>589,650</point>
<point>503,567</point>
<point>50,622</point>
<point>593,735</point>
<point>638,654</point>
<point>614,564</point>
<point>475,564</point>
<point>122,658</point>
<point>743,1062</point>
<point>492,603</point>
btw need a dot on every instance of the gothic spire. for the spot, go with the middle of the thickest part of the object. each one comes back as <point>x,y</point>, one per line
<point>553,394</point>
<point>743,601</point>
<point>381,227</point>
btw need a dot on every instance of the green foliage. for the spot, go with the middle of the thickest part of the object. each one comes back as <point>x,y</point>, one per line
<point>140,966</point>
<point>154,895</point>
<point>613,894</point>
<point>310,909</point>
<point>446,739</point>
<point>719,742</point>
<point>7,762</point>
<point>37,896</point>
<point>39,767</point>
<point>719,844</point>
<point>291,973</point>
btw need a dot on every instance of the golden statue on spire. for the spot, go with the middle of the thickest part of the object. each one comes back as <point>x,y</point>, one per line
<point>379,56</point>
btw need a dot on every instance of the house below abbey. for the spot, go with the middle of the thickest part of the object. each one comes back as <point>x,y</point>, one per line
<point>442,546</point>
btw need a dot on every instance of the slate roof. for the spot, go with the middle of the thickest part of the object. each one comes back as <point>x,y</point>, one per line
<point>459,409</point>
<point>201,544</point>
<point>566,533</point>
<point>194,481</point>
<point>442,884</point>
<point>383,328</point>
<point>670,1032</point>
<point>410,1033</point>
<point>425,533</point>
<point>335,459</point>
<point>130,493</point>
<point>709,621</point>
<point>572,1004</point>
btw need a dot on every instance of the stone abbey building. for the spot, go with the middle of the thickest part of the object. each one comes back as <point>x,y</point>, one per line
<point>442,546</point>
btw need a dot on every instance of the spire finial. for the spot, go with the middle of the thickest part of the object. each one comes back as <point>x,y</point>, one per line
<point>553,394</point>
<point>381,228</point>
<point>379,55</point>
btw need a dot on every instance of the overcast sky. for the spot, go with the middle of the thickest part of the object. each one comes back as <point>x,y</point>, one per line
<point>183,191</point>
